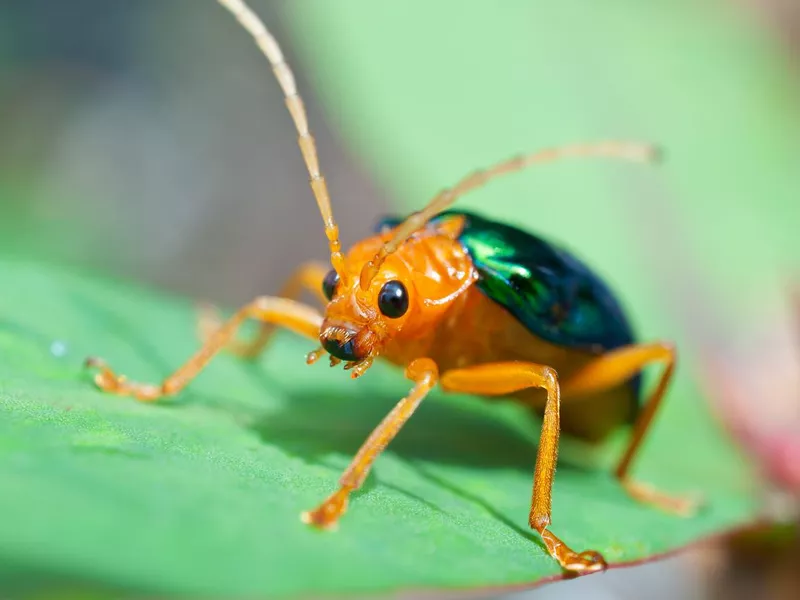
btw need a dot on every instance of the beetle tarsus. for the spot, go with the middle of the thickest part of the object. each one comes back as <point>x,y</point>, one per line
<point>327,514</point>
<point>646,494</point>
<point>576,563</point>
<point>110,382</point>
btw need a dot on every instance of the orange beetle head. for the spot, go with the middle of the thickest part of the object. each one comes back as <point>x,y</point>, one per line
<point>405,296</point>
<point>359,321</point>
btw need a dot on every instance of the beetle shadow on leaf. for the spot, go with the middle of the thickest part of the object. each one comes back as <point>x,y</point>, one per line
<point>442,430</point>
<point>440,482</point>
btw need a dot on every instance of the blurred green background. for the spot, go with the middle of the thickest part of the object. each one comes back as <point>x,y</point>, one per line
<point>147,139</point>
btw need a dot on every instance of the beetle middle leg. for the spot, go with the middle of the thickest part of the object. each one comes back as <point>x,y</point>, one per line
<point>614,368</point>
<point>306,278</point>
<point>424,373</point>
<point>505,378</point>
<point>287,313</point>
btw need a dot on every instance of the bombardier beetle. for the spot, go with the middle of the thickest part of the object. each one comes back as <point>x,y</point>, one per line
<point>459,301</point>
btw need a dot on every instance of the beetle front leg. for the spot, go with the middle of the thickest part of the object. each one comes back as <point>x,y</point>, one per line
<point>306,278</point>
<point>297,317</point>
<point>500,379</point>
<point>424,373</point>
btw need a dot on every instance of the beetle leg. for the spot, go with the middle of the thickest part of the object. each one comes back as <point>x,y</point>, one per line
<point>424,373</point>
<point>307,278</point>
<point>505,378</point>
<point>613,369</point>
<point>278,311</point>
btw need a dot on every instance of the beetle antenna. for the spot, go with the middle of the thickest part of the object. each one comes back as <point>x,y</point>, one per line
<point>270,48</point>
<point>632,151</point>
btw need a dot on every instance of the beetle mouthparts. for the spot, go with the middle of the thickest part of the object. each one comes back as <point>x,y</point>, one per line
<point>341,350</point>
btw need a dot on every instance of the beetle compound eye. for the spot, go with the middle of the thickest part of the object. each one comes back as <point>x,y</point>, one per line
<point>393,299</point>
<point>329,284</point>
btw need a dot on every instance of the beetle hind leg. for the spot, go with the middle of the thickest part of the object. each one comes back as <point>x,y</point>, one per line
<point>647,494</point>
<point>613,369</point>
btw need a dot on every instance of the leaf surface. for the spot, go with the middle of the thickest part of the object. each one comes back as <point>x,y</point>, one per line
<point>203,493</point>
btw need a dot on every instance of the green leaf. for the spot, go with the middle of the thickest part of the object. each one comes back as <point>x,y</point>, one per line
<point>203,493</point>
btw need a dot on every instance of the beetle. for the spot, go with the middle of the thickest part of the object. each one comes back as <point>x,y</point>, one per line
<point>459,301</point>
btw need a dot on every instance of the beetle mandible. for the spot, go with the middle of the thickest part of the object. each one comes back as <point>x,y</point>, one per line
<point>465,303</point>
